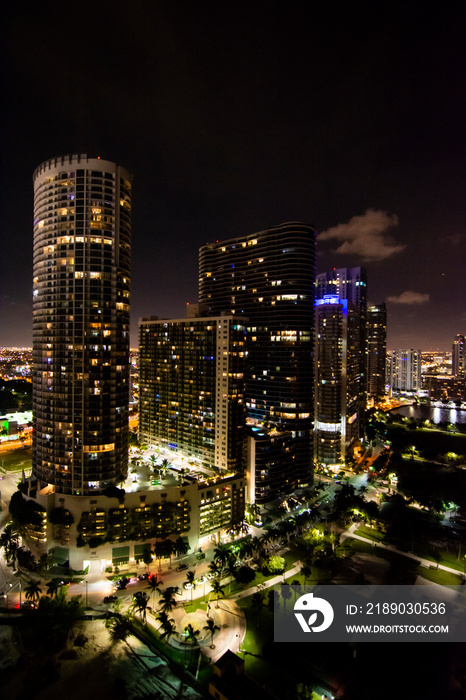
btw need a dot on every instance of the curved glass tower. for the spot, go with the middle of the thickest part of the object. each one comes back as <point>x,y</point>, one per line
<point>268,278</point>
<point>82,247</point>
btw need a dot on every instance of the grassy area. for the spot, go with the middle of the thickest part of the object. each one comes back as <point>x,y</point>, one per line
<point>438,441</point>
<point>16,460</point>
<point>446,558</point>
<point>279,666</point>
<point>444,578</point>
<point>369,533</point>
<point>351,546</point>
<point>259,634</point>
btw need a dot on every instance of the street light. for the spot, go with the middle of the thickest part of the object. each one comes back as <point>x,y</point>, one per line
<point>12,585</point>
<point>85,583</point>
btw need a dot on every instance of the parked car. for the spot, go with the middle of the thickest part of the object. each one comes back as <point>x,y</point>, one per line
<point>110,599</point>
<point>187,586</point>
<point>182,567</point>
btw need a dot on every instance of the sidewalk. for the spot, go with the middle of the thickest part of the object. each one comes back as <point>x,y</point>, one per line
<point>391,548</point>
<point>268,584</point>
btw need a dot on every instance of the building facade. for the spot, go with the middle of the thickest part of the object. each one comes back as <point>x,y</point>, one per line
<point>81,287</point>
<point>350,283</point>
<point>458,357</point>
<point>104,531</point>
<point>191,388</point>
<point>269,464</point>
<point>268,277</point>
<point>347,283</point>
<point>338,408</point>
<point>404,370</point>
<point>376,350</point>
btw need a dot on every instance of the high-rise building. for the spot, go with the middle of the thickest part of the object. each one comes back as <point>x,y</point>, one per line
<point>458,357</point>
<point>82,246</point>
<point>269,464</point>
<point>347,283</point>
<point>338,409</point>
<point>376,350</point>
<point>351,284</point>
<point>191,388</point>
<point>268,277</point>
<point>404,370</point>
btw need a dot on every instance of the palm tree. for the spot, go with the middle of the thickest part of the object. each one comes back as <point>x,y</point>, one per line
<point>257,603</point>
<point>45,562</point>
<point>222,554</point>
<point>231,569</point>
<point>191,635</point>
<point>33,591</point>
<point>26,559</point>
<point>140,604</point>
<point>258,546</point>
<point>168,625</point>
<point>167,600</point>
<point>215,568</point>
<point>296,588</point>
<point>191,578</point>
<point>286,593</point>
<point>8,536</point>
<point>289,527</point>
<point>306,571</point>
<point>170,550</point>
<point>153,463</point>
<point>181,547</point>
<point>119,628</point>
<point>217,590</point>
<point>211,628</point>
<point>154,583</point>
<point>53,587</point>
<point>9,540</point>
<point>265,540</point>
<point>164,467</point>
<point>246,549</point>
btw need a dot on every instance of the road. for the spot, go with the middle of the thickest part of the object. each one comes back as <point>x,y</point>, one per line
<point>95,587</point>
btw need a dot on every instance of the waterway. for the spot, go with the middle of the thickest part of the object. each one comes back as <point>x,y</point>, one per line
<point>435,414</point>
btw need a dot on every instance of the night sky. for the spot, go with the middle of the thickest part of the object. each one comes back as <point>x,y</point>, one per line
<point>237,116</point>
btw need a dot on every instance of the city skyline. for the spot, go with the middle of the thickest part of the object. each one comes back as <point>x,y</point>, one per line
<point>234,122</point>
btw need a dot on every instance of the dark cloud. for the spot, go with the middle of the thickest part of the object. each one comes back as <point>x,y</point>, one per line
<point>365,236</point>
<point>409,298</point>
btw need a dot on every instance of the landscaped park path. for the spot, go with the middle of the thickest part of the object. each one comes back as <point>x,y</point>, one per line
<point>225,613</point>
<point>391,548</point>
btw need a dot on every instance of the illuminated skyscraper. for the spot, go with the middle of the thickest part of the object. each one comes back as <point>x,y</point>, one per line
<point>338,410</point>
<point>376,350</point>
<point>347,283</point>
<point>191,387</point>
<point>351,284</point>
<point>458,357</point>
<point>405,370</point>
<point>269,278</point>
<point>82,246</point>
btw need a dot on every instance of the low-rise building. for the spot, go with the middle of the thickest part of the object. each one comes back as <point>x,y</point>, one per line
<point>108,530</point>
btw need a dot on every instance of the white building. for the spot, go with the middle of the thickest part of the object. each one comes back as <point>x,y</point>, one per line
<point>404,370</point>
